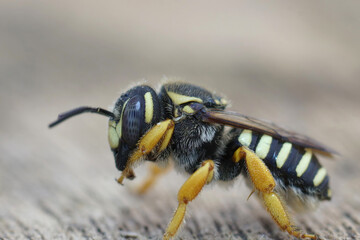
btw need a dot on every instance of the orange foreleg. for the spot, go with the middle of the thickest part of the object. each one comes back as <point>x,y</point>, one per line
<point>158,137</point>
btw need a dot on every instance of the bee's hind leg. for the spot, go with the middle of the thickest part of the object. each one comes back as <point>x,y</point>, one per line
<point>264,182</point>
<point>275,206</point>
<point>188,192</point>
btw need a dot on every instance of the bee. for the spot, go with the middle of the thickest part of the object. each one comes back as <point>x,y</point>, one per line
<point>189,125</point>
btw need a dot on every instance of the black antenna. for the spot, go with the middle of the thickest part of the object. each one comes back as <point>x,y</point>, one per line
<point>63,116</point>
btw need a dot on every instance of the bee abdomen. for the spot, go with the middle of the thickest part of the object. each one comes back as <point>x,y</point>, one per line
<point>293,165</point>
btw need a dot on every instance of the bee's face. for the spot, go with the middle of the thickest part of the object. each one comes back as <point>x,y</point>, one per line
<point>135,112</point>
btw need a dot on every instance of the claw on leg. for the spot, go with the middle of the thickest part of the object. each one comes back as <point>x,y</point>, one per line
<point>188,192</point>
<point>252,192</point>
<point>129,174</point>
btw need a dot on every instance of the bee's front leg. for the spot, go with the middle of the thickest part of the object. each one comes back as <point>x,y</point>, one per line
<point>158,137</point>
<point>188,192</point>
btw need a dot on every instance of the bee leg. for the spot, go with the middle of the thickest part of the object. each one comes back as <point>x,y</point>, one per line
<point>154,173</point>
<point>188,192</point>
<point>158,137</point>
<point>264,182</point>
<point>275,206</point>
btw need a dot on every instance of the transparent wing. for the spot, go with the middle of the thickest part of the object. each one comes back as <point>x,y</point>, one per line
<point>238,120</point>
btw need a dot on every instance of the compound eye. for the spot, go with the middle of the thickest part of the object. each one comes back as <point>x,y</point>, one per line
<point>133,120</point>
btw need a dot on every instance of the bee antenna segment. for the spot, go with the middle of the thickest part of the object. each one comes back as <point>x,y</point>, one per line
<point>63,116</point>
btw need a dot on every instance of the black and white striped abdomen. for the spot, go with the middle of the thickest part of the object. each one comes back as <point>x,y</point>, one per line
<point>290,164</point>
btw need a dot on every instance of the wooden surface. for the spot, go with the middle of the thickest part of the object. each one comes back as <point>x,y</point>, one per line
<point>294,64</point>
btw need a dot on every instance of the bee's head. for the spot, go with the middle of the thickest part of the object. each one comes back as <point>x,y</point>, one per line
<point>135,112</point>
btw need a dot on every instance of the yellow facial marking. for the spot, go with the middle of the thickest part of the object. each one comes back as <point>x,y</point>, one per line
<point>217,102</point>
<point>149,107</point>
<point>112,124</point>
<point>245,137</point>
<point>179,99</point>
<point>113,137</point>
<point>188,109</point>
<point>119,125</point>
<point>283,154</point>
<point>263,147</point>
<point>304,163</point>
<point>119,128</point>
<point>319,177</point>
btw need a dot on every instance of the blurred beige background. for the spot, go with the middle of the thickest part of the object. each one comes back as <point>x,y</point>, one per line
<point>294,63</point>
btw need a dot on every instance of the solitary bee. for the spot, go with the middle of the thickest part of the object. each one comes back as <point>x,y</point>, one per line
<point>188,123</point>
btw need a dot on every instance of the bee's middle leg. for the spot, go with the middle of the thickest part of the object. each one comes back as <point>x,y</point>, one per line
<point>188,192</point>
<point>154,173</point>
<point>264,182</point>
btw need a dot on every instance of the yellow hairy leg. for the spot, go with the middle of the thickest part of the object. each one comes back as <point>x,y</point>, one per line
<point>264,182</point>
<point>155,173</point>
<point>259,173</point>
<point>158,136</point>
<point>276,208</point>
<point>188,192</point>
